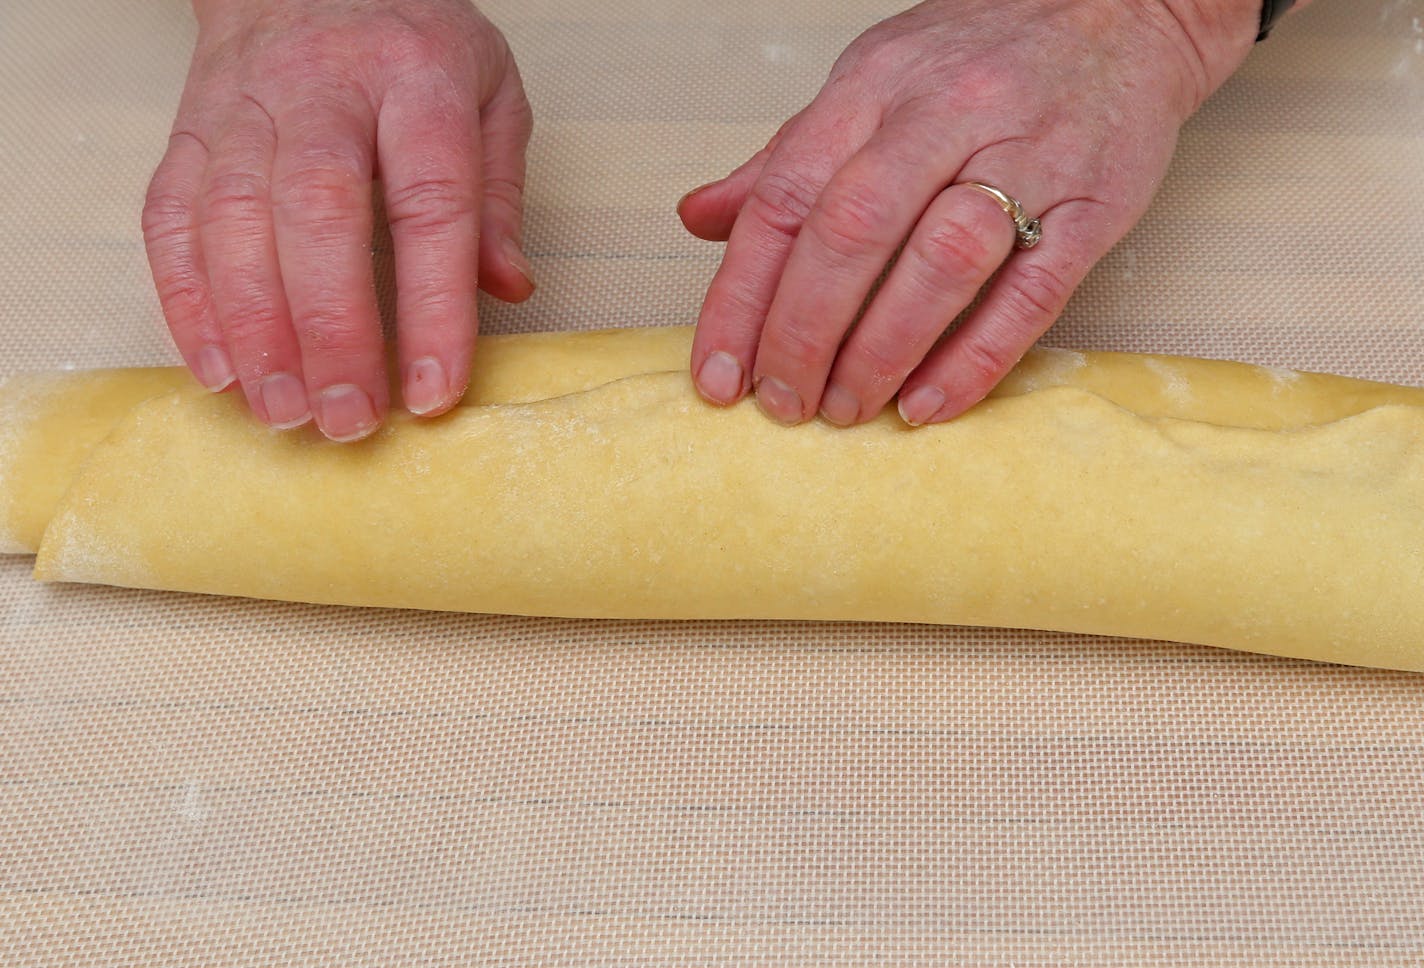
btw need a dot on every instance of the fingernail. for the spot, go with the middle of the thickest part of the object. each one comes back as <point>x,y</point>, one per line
<point>839,405</point>
<point>919,406</point>
<point>695,191</point>
<point>426,387</point>
<point>518,259</point>
<point>778,401</point>
<point>346,413</point>
<point>215,368</point>
<point>285,398</point>
<point>720,378</point>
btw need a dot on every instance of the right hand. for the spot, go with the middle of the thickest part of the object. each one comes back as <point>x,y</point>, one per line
<point>258,220</point>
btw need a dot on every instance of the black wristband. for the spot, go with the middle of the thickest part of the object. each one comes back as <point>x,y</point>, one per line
<point>1271,11</point>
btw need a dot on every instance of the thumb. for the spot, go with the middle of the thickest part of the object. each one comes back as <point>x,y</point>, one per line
<point>709,212</point>
<point>505,124</point>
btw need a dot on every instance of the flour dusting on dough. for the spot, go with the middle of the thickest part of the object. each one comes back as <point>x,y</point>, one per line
<point>1281,378</point>
<point>1050,366</point>
<point>1175,386</point>
<point>75,552</point>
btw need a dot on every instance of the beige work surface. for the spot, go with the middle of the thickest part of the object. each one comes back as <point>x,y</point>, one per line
<point>205,782</point>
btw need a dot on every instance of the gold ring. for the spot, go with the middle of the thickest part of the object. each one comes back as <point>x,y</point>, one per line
<point>1027,231</point>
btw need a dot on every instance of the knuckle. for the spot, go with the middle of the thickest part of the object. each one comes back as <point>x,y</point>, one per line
<point>233,195</point>
<point>442,314</point>
<point>321,193</point>
<point>433,201</point>
<point>855,51</point>
<point>887,54</point>
<point>982,83</point>
<point>166,214</point>
<point>487,45</point>
<point>736,304</point>
<point>848,220</point>
<point>1035,293</point>
<point>953,253</point>
<point>182,295</point>
<point>252,320</point>
<point>520,113</point>
<point>987,361</point>
<point>799,345</point>
<point>410,47</point>
<point>784,197</point>
<point>508,190</point>
<point>872,53</point>
<point>330,330</point>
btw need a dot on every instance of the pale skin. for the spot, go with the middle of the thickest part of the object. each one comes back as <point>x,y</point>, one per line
<point>258,220</point>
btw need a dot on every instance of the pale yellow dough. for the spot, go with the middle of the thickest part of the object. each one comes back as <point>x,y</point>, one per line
<point>50,421</point>
<point>1155,497</point>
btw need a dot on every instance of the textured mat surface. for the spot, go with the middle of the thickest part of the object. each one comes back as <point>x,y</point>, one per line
<point>198,781</point>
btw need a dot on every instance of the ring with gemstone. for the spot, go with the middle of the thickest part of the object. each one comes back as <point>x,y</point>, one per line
<point>1027,231</point>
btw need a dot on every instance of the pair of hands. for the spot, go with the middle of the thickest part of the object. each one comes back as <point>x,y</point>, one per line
<point>258,220</point>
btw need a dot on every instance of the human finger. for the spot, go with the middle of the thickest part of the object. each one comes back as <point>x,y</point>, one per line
<point>429,149</point>
<point>170,236</point>
<point>321,184</point>
<point>1023,301</point>
<point>505,123</point>
<point>740,294</point>
<point>709,211</point>
<point>956,246</point>
<point>240,252</point>
<point>861,217</point>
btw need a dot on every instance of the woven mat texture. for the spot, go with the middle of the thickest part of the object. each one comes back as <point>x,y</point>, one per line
<point>196,781</point>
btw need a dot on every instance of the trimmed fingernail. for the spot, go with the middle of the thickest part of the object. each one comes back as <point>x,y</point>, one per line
<point>919,406</point>
<point>695,191</point>
<point>285,398</point>
<point>346,413</point>
<point>426,387</point>
<point>519,260</point>
<point>215,368</point>
<point>839,405</point>
<point>778,401</point>
<point>720,378</point>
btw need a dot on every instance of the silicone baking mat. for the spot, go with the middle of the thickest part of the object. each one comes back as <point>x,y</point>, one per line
<point>203,782</point>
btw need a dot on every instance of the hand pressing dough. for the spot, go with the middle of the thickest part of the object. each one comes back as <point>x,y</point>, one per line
<point>1152,497</point>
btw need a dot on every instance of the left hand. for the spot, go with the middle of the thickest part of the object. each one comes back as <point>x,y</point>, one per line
<point>1070,106</point>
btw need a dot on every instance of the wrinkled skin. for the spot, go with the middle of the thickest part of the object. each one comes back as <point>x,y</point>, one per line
<point>1070,106</point>
<point>258,219</point>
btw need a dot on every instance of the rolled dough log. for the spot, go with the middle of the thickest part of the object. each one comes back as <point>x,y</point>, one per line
<point>1152,497</point>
